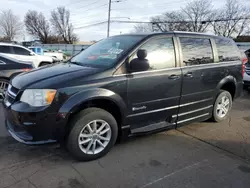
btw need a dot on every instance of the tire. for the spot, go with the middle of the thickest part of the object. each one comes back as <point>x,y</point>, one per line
<point>44,64</point>
<point>3,87</point>
<point>80,123</point>
<point>218,115</point>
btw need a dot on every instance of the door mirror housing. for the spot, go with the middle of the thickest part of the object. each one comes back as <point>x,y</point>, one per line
<point>32,53</point>
<point>140,63</point>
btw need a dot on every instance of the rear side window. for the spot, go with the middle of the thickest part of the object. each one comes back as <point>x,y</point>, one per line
<point>5,49</point>
<point>196,51</point>
<point>227,50</point>
<point>21,51</point>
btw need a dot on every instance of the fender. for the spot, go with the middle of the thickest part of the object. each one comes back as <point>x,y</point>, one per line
<point>225,80</point>
<point>73,103</point>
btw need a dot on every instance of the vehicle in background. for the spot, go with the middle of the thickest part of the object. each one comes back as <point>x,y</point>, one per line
<point>24,54</point>
<point>57,55</point>
<point>124,86</point>
<point>9,68</point>
<point>246,77</point>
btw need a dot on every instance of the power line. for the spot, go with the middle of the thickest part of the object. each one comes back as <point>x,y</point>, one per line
<point>92,8</point>
<point>80,7</point>
<point>91,25</point>
<point>154,5</point>
<point>158,22</point>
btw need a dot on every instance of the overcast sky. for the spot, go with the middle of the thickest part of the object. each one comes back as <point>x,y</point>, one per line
<point>87,12</point>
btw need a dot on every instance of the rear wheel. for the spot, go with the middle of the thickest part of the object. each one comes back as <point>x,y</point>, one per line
<point>93,133</point>
<point>222,106</point>
<point>3,88</point>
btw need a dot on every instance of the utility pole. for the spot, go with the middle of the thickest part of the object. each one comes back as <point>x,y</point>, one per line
<point>109,18</point>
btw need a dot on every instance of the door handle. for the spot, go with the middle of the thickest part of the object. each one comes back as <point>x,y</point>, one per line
<point>188,75</point>
<point>173,77</point>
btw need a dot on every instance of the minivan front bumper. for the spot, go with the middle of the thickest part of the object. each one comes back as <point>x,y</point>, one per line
<point>38,127</point>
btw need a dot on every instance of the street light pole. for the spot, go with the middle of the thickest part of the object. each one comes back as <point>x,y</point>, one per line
<point>109,18</point>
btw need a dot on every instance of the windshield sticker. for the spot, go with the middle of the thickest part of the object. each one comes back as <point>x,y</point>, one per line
<point>115,51</point>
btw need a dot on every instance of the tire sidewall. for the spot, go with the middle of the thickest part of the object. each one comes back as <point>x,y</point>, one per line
<point>78,125</point>
<point>219,97</point>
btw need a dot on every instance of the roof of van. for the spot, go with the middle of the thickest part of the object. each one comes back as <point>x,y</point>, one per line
<point>175,32</point>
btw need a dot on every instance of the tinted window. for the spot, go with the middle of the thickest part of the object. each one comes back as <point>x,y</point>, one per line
<point>196,51</point>
<point>161,53</point>
<point>227,50</point>
<point>5,49</point>
<point>21,51</point>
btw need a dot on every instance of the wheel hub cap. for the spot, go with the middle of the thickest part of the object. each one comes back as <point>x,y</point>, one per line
<point>94,137</point>
<point>223,107</point>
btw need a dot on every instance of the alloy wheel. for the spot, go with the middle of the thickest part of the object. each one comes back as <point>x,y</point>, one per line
<point>3,88</point>
<point>223,107</point>
<point>94,137</point>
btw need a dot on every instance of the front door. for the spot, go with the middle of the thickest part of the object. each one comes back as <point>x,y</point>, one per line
<point>154,94</point>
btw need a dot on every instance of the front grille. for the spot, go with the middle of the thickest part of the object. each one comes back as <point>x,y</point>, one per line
<point>247,70</point>
<point>10,96</point>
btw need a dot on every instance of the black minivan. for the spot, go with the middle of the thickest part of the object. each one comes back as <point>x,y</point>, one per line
<point>124,86</point>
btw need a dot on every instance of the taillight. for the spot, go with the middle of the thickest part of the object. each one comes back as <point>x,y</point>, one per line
<point>244,61</point>
<point>26,70</point>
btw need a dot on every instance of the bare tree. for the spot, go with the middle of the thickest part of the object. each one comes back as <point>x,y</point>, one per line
<point>197,12</point>
<point>142,28</point>
<point>10,25</point>
<point>171,21</point>
<point>60,19</point>
<point>232,19</point>
<point>37,25</point>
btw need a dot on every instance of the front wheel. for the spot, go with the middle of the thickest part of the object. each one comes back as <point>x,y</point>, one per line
<point>222,106</point>
<point>93,133</point>
<point>3,88</point>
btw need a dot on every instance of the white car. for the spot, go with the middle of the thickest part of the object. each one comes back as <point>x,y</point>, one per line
<point>24,54</point>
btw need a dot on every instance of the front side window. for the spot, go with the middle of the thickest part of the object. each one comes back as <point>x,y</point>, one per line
<point>227,50</point>
<point>106,52</point>
<point>5,49</point>
<point>21,51</point>
<point>196,51</point>
<point>160,53</point>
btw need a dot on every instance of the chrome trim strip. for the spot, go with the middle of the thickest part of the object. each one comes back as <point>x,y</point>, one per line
<point>153,111</point>
<point>204,100</point>
<point>10,92</point>
<point>196,117</point>
<point>200,109</point>
<point>145,72</point>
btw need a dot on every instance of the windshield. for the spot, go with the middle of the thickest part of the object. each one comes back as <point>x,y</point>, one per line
<point>106,52</point>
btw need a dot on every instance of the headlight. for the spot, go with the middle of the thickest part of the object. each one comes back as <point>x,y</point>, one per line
<point>38,97</point>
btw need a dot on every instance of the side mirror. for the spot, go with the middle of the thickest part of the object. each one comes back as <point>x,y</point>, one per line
<point>32,53</point>
<point>139,64</point>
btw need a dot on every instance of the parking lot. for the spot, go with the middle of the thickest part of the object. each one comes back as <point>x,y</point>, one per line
<point>199,155</point>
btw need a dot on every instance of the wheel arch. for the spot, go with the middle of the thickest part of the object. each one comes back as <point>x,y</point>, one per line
<point>100,98</point>
<point>47,62</point>
<point>229,84</point>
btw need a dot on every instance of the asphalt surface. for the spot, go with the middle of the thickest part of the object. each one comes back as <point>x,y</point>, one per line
<point>198,155</point>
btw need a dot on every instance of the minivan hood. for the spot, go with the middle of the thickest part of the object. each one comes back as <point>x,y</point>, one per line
<point>44,73</point>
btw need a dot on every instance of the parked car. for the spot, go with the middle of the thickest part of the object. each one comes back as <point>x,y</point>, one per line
<point>9,68</point>
<point>56,55</point>
<point>124,86</point>
<point>24,54</point>
<point>246,77</point>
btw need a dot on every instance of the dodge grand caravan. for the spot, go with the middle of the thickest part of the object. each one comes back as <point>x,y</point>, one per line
<point>124,86</point>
